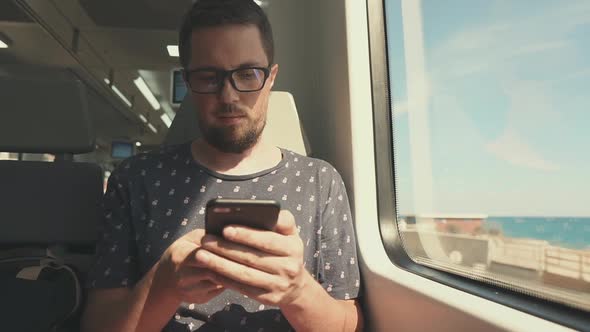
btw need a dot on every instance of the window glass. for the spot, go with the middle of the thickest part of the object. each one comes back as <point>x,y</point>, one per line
<point>490,111</point>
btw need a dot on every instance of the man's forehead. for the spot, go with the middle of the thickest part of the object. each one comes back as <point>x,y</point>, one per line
<point>227,47</point>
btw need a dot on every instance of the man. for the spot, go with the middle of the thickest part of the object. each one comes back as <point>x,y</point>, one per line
<point>157,270</point>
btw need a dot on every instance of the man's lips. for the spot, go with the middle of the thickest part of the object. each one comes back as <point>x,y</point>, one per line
<point>231,116</point>
<point>230,119</point>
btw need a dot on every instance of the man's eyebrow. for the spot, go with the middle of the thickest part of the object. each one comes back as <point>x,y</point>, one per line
<point>250,64</point>
<point>243,65</point>
<point>205,68</point>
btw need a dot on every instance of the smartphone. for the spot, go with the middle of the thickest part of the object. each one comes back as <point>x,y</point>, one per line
<point>220,212</point>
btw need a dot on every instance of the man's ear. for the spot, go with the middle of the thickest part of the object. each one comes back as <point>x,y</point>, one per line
<point>274,70</point>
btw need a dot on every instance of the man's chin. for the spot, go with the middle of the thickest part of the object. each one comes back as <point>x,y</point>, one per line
<point>232,139</point>
<point>236,147</point>
<point>232,144</point>
<point>232,121</point>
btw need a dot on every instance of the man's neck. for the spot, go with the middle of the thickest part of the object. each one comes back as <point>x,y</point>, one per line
<point>259,157</point>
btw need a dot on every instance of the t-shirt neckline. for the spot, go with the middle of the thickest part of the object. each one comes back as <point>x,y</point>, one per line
<point>227,177</point>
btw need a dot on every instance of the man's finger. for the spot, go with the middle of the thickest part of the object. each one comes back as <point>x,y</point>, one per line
<point>235,271</point>
<point>191,276</point>
<point>265,241</point>
<point>258,294</point>
<point>250,291</point>
<point>203,286</point>
<point>245,255</point>
<point>194,236</point>
<point>286,223</point>
<point>185,250</point>
<point>199,292</point>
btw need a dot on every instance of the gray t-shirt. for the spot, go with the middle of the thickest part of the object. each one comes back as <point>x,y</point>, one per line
<point>155,198</point>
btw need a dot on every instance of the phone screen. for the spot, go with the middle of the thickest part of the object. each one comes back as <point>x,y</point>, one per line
<point>220,212</point>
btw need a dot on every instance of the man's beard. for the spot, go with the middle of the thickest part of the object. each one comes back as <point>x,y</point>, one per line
<point>224,139</point>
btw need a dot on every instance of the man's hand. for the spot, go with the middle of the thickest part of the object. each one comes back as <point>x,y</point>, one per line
<point>267,266</point>
<point>178,271</point>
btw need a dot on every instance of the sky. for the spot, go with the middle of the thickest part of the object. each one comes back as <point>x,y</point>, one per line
<point>491,106</point>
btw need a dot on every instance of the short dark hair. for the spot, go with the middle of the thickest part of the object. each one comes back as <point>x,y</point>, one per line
<point>213,13</point>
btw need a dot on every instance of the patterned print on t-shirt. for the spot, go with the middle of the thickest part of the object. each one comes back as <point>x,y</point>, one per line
<point>155,198</point>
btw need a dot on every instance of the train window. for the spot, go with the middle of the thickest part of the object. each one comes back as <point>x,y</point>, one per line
<point>490,112</point>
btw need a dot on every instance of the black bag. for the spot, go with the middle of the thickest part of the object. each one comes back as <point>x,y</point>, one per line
<point>38,292</point>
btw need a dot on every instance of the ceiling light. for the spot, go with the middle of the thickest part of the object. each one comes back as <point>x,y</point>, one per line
<point>118,92</point>
<point>261,3</point>
<point>166,119</point>
<point>147,93</point>
<point>4,41</point>
<point>138,143</point>
<point>142,118</point>
<point>152,128</point>
<point>121,95</point>
<point>168,110</point>
<point>173,50</point>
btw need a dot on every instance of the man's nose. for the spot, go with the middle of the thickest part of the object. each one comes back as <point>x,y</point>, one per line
<point>228,93</point>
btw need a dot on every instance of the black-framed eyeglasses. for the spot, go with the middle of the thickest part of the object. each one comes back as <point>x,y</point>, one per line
<point>248,79</point>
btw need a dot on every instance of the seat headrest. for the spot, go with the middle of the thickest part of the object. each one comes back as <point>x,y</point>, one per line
<point>283,127</point>
<point>44,116</point>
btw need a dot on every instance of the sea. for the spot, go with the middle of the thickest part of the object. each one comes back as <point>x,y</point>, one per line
<point>567,232</point>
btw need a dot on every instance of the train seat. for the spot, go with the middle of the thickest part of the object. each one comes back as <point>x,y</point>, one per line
<point>49,211</point>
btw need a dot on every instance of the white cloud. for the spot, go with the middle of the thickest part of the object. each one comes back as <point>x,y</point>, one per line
<point>540,47</point>
<point>581,73</point>
<point>513,149</point>
<point>476,38</point>
<point>531,115</point>
<point>491,46</point>
<point>496,49</point>
<point>533,107</point>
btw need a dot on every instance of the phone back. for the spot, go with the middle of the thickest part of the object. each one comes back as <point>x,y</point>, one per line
<point>261,214</point>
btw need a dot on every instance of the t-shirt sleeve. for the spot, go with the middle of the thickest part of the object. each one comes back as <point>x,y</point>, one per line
<point>115,262</point>
<point>339,272</point>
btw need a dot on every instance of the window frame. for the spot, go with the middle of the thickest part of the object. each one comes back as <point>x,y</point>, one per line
<point>387,208</point>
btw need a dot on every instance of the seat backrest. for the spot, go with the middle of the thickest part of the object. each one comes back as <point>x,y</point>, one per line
<point>40,202</point>
<point>283,126</point>
<point>43,203</point>
<point>49,211</point>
